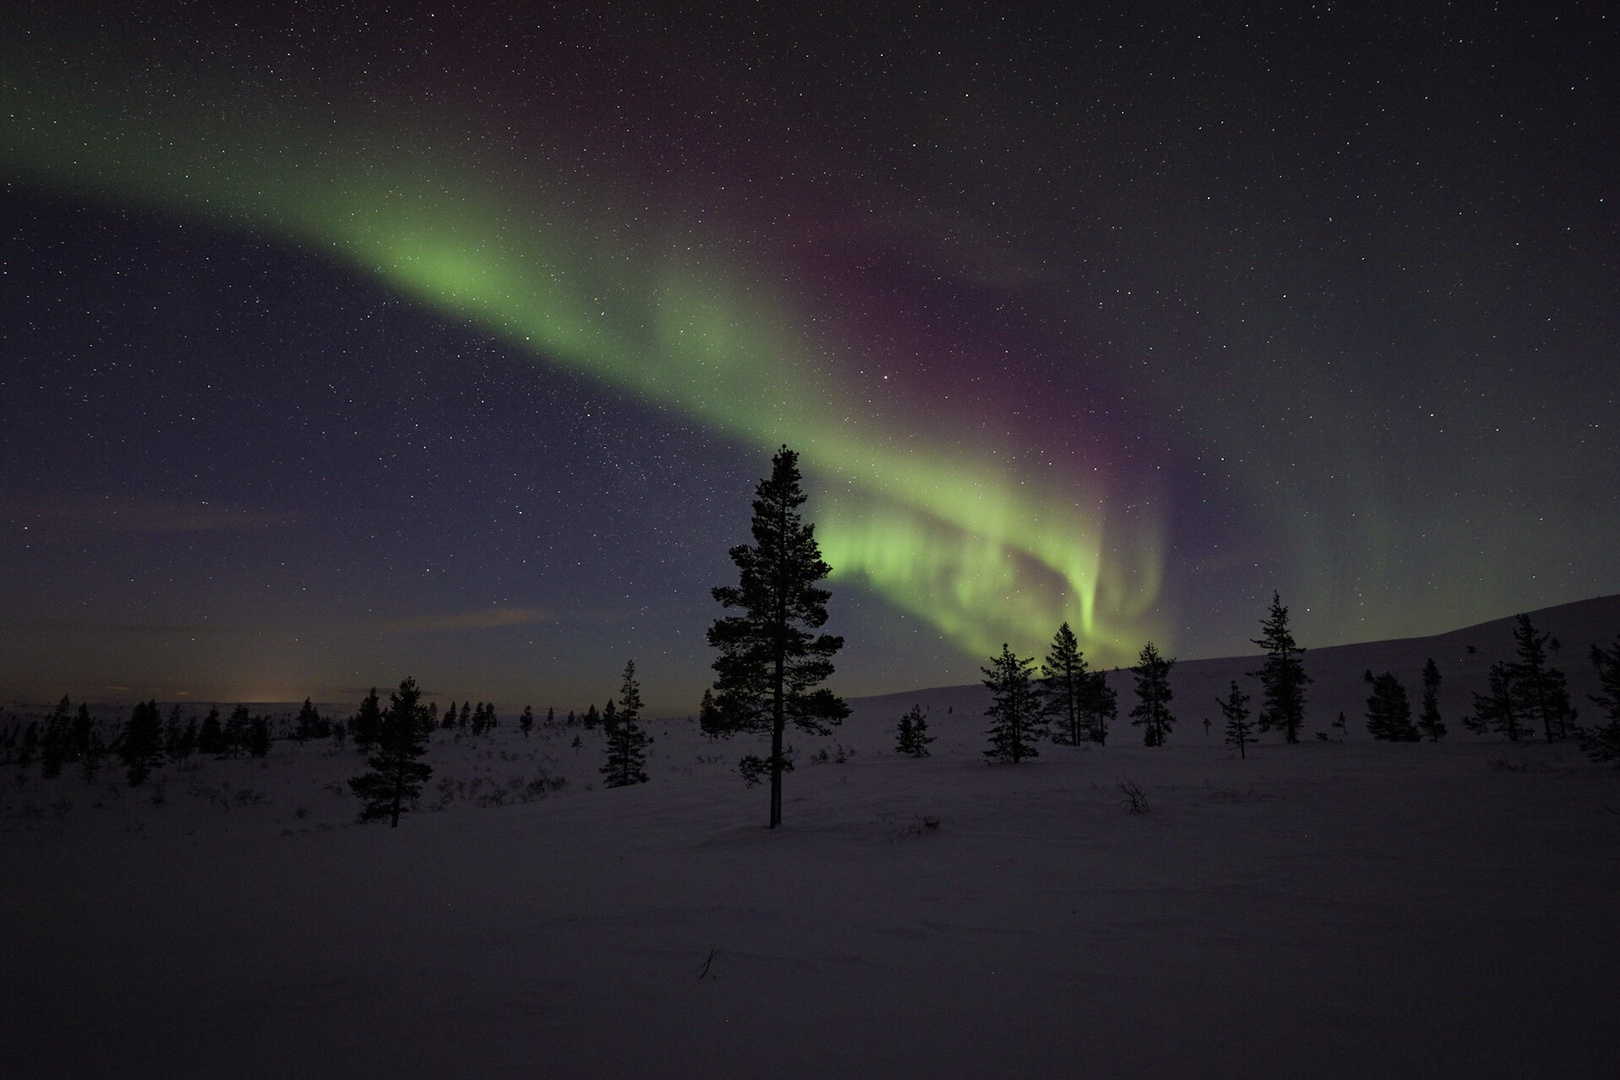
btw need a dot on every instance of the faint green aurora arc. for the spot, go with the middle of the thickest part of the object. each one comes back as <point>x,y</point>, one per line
<point>954,533</point>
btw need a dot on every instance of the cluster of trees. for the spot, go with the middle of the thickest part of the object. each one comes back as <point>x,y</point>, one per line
<point>1526,697</point>
<point>911,736</point>
<point>1069,702</point>
<point>142,743</point>
<point>772,661</point>
<point>475,719</point>
<point>1526,692</point>
<point>1079,704</point>
<point>1389,710</point>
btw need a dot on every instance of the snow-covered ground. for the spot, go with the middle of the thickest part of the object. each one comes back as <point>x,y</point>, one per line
<point>1328,909</point>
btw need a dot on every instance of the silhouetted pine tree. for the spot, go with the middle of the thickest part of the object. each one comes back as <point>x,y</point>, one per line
<point>1065,683</point>
<point>1153,694</point>
<point>1499,709</point>
<point>466,715</point>
<point>311,724</point>
<point>526,721</point>
<point>1016,712</point>
<point>140,747</point>
<point>29,744</point>
<point>1282,677</point>
<point>56,743</point>
<point>1541,689</point>
<point>626,742</point>
<point>1602,741</point>
<point>188,741</point>
<point>211,736</point>
<point>85,740</point>
<point>771,663</point>
<point>449,716</point>
<point>1239,732</point>
<point>256,739</point>
<point>236,730</point>
<point>1429,721</point>
<point>366,727</point>
<point>912,737</point>
<point>593,719</point>
<point>173,731</point>
<point>397,771</point>
<point>1389,713</point>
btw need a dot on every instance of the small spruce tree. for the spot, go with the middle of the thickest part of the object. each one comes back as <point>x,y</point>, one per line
<point>397,772</point>
<point>1065,684</point>
<point>1541,688</point>
<point>256,740</point>
<point>140,747</point>
<point>84,743</point>
<point>1499,709</point>
<point>1429,721</point>
<point>211,736</point>
<point>912,738</point>
<point>236,730</point>
<point>1017,718</point>
<point>526,721</point>
<point>1153,694</point>
<point>1389,713</point>
<point>310,724</point>
<point>56,744</point>
<point>1239,732</point>
<point>366,727</point>
<point>1282,677</point>
<point>626,741</point>
<point>1602,741</point>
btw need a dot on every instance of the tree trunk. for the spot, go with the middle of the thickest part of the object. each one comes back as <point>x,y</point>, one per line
<point>778,722</point>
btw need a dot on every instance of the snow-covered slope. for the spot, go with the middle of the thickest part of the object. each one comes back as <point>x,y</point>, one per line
<point>1325,910</point>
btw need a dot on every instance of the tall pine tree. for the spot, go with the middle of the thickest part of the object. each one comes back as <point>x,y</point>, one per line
<point>366,726</point>
<point>1389,712</point>
<point>1541,689</point>
<point>1017,716</point>
<point>1602,741</point>
<point>1152,712</point>
<point>1429,721</point>
<point>141,746</point>
<point>397,771</point>
<point>1499,709</point>
<point>1239,732</point>
<point>771,663</point>
<point>1282,676</point>
<point>1065,682</point>
<point>626,742</point>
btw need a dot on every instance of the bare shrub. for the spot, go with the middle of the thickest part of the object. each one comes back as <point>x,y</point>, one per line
<point>1135,799</point>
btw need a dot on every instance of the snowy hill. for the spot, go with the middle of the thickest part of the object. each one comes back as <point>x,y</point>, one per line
<point>1463,656</point>
<point>1326,910</point>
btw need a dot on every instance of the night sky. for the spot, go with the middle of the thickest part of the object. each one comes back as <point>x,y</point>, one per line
<point>338,345</point>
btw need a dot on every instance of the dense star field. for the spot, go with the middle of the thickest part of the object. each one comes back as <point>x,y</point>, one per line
<point>338,343</point>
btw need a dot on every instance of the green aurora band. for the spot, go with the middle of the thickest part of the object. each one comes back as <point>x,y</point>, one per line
<point>943,530</point>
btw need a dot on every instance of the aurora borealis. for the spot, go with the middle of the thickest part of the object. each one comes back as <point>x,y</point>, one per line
<point>1092,318</point>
